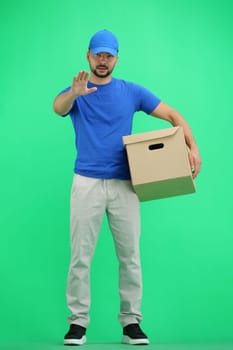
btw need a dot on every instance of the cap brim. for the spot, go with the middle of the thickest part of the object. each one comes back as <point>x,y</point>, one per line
<point>97,50</point>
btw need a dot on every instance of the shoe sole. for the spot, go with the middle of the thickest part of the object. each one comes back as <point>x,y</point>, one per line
<point>128,340</point>
<point>75,341</point>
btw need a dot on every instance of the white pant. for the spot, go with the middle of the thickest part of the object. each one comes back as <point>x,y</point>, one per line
<point>90,199</point>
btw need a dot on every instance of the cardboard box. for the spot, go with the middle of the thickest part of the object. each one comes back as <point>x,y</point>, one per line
<point>159,164</point>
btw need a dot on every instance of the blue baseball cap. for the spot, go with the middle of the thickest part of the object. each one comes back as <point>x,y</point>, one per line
<point>104,41</point>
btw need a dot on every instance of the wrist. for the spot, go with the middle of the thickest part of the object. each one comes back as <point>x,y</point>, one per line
<point>193,146</point>
<point>72,95</point>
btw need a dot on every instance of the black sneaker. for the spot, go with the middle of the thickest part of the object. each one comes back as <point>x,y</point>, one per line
<point>75,336</point>
<point>132,334</point>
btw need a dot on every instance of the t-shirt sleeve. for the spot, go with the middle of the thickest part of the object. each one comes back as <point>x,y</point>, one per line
<point>73,104</point>
<point>146,100</point>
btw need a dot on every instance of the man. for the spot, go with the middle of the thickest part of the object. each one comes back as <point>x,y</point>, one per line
<point>101,109</point>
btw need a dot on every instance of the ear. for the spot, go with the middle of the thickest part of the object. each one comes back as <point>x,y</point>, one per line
<point>88,55</point>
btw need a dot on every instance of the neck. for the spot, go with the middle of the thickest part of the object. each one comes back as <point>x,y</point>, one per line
<point>100,81</point>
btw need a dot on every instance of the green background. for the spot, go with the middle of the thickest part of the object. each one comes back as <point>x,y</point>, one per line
<point>183,52</point>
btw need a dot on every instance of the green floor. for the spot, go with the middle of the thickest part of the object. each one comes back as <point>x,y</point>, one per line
<point>111,346</point>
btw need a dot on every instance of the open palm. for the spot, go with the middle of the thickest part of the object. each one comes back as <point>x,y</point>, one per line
<point>79,85</point>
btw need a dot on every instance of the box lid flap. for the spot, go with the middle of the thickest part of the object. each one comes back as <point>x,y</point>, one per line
<point>156,134</point>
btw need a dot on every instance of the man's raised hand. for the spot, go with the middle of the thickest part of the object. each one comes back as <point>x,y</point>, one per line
<point>79,85</point>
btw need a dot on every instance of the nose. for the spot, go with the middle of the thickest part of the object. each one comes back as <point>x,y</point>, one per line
<point>103,58</point>
<point>103,61</point>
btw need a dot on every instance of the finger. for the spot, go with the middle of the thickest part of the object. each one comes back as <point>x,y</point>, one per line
<point>93,89</point>
<point>82,76</point>
<point>78,76</point>
<point>192,165</point>
<point>194,173</point>
<point>85,76</point>
<point>191,161</point>
<point>196,169</point>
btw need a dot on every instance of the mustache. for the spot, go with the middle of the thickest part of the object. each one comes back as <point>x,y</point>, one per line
<point>102,66</point>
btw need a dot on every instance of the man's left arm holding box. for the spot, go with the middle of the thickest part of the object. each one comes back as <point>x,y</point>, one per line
<point>165,112</point>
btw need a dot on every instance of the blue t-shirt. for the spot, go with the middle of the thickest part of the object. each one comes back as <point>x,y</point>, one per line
<point>100,119</point>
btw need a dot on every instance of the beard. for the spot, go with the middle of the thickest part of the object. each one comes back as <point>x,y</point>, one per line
<point>100,74</point>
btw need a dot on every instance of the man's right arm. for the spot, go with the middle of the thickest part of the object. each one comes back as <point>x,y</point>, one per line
<point>63,102</point>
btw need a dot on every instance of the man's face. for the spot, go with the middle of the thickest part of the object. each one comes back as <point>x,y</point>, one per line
<point>101,64</point>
